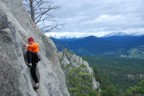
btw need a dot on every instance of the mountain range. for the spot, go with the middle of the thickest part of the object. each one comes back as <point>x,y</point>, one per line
<point>122,45</point>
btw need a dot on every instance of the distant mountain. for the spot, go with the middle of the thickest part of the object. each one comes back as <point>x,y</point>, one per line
<point>67,35</point>
<point>118,34</point>
<point>111,45</point>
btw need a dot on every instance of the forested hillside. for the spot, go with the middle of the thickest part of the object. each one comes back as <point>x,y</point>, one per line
<point>116,46</point>
<point>118,76</point>
<point>122,72</point>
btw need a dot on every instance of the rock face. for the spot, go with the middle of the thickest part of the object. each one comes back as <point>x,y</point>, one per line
<point>73,61</point>
<point>15,79</point>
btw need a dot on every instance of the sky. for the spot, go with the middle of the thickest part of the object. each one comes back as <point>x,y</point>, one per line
<point>99,17</point>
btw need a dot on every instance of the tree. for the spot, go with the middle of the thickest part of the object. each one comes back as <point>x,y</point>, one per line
<point>40,12</point>
<point>137,90</point>
<point>79,82</point>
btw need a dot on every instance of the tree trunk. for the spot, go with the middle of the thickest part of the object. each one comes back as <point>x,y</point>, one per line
<point>32,10</point>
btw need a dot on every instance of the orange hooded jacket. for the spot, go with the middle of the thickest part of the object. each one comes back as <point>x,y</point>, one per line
<point>34,47</point>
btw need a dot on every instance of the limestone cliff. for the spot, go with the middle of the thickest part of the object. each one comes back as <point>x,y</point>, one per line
<point>69,61</point>
<point>15,79</point>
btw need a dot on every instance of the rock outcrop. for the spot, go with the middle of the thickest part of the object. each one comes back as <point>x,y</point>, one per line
<point>15,79</point>
<point>73,61</point>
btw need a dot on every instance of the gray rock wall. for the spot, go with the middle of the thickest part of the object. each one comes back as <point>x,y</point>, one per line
<point>15,79</point>
<point>73,61</point>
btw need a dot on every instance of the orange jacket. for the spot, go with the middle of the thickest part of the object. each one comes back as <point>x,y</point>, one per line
<point>33,47</point>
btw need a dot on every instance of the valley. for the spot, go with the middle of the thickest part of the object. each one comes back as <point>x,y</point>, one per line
<point>117,61</point>
<point>122,72</point>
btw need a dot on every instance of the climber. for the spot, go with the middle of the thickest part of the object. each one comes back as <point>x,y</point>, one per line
<point>33,59</point>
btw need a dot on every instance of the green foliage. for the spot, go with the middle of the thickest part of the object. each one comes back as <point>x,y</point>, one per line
<point>67,50</point>
<point>118,70</point>
<point>112,73</point>
<point>93,93</point>
<point>96,73</point>
<point>79,82</point>
<point>136,53</point>
<point>107,88</point>
<point>65,67</point>
<point>109,91</point>
<point>137,90</point>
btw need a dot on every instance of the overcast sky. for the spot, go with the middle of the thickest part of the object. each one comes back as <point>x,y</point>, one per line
<point>101,16</point>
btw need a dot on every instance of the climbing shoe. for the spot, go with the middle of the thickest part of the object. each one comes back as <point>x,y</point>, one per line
<point>29,65</point>
<point>36,86</point>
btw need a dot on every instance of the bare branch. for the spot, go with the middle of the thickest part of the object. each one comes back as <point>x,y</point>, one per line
<point>40,12</point>
<point>38,5</point>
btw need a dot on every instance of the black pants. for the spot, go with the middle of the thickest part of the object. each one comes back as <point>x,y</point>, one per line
<point>33,58</point>
<point>33,72</point>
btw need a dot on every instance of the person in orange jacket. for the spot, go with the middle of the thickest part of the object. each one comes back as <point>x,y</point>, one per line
<point>33,58</point>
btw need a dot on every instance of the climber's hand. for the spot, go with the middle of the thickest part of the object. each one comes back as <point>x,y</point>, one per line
<point>26,45</point>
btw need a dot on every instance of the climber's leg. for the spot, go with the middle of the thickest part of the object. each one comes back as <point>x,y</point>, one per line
<point>33,73</point>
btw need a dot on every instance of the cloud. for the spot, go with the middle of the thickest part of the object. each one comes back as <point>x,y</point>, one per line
<point>105,18</point>
<point>76,34</point>
<point>100,15</point>
<point>134,32</point>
